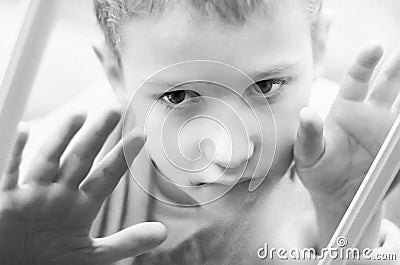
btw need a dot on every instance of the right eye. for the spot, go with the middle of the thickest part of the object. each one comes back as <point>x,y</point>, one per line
<point>177,97</point>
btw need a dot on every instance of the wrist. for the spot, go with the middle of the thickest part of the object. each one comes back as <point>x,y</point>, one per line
<point>329,214</point>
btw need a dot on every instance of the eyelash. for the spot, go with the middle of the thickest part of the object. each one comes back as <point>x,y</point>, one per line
<point>282,82</point>
<point>169,105</point>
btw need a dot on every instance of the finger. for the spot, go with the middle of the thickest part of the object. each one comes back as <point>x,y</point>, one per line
<point>129,242</point>
<point>356,81</point>
<point>46,167</point>
<point>10,179</point>
<point>387,85</point>
<point>88,144</point>
<point>309,145</point>
<point>105,177</point>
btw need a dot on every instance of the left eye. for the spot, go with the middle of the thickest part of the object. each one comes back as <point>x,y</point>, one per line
<point>269,87</point>
<point>179,96</point>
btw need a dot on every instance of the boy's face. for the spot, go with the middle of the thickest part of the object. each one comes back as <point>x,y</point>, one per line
<point>244,122</point>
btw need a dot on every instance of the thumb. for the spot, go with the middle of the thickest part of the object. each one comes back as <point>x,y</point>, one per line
<point>309,145</point>
<point>130,242</point>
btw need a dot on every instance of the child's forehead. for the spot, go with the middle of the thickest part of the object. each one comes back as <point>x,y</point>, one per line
<point>231,11</point>
<point>175,37</point>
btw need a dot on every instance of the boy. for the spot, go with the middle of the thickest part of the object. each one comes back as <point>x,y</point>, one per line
<point>200,52</point>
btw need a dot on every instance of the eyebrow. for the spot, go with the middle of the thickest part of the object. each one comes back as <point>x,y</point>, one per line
<point>258,75</point>
<point>274,70</point>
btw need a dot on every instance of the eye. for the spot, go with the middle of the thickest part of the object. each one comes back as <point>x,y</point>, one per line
<point>269,87</point>
<point>178,96</point>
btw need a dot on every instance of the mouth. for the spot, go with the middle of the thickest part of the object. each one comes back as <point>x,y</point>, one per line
<point>201,187</point>
<point>226,180</point>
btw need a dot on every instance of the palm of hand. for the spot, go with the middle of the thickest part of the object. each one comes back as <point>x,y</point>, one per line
<point>354,129</point>
<point>47,215</point>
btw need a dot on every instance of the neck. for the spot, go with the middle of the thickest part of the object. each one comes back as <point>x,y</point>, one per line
<point>208,234</point>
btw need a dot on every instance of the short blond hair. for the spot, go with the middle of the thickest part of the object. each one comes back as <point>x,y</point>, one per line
<point>111,13</point>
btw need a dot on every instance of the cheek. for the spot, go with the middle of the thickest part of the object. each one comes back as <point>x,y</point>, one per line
<point>286,135</point>
<point>286,115</point>
<point>167,136</point>
<point>173,142</point>
<point>152,123</point>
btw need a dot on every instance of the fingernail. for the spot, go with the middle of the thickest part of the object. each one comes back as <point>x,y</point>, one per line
<point>299,131</point>
<point>23,127</point>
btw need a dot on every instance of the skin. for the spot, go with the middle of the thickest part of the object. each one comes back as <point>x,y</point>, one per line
<point>260,45</point>
<point>343,140</point>
<point>175,38</point>
<point>52,208</point>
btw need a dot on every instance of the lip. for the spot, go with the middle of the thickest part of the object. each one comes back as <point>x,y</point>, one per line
<point>232,183</point>
<point>227,181</point>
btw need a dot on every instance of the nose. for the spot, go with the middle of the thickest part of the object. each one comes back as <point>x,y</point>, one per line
<point>236,156</point>
<point>226,154</point>
<point>234,145</point>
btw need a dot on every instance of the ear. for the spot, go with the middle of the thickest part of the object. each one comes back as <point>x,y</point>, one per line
<point>112,68</point>
<point>320,38</point>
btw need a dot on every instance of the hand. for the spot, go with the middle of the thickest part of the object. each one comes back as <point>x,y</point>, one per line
<point>45,218</point>
<point>333,159</point>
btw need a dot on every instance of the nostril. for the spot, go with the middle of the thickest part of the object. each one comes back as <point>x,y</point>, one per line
<point>207,148</point>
